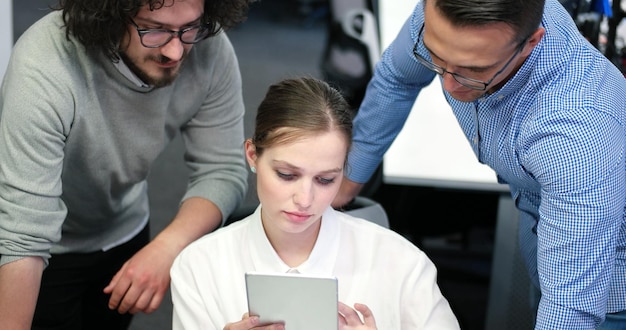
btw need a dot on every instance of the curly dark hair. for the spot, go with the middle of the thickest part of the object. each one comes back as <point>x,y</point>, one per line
<point>101,24</point>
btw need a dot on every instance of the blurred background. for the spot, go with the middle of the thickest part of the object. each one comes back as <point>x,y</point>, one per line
<point>289,38</point>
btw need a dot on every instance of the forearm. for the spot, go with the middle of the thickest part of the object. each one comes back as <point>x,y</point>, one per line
<point>195,218</point>
<point>19,288</point>
<point>348,190</point>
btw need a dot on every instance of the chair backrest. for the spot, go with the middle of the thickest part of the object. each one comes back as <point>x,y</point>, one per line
<point>368,209</point>
<point>511,303</point>
<point>352,47</point>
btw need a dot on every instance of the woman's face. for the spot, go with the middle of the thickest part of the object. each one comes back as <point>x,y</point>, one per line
<point>297,181</point>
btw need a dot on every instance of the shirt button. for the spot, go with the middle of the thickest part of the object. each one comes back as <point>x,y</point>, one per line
<point>475,140</point>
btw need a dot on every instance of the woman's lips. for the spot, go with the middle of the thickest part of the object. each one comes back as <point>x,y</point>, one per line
<point>297,217</point>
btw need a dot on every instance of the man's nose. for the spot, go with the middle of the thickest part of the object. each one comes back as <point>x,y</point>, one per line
<point>173,50</point>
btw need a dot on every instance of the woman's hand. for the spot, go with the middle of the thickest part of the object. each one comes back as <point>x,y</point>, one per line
<point>252,322</point>
<point>349,319</point>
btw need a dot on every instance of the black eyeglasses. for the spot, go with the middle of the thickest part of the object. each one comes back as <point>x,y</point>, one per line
<point>155,38</point>
<point>465,81</point>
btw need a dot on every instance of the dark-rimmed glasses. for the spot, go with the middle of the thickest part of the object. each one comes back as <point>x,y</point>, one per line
<point>155,38</point>
<point>465,81</point>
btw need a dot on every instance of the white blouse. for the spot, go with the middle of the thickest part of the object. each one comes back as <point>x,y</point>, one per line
<point>374,266</point>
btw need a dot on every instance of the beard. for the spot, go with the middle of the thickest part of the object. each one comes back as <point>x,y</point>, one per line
<point>167,76</point>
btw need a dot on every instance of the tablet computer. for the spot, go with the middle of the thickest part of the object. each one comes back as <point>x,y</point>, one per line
<point>301,302</point>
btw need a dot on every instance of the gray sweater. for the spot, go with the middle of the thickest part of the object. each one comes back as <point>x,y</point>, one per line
<point>77,139</point>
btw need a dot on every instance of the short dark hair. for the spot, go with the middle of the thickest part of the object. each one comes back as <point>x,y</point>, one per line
<point>101,24</point>
<point>524,16</point>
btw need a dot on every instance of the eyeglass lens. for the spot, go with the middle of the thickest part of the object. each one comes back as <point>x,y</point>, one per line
<point>156,38</point>
<point>467,82</point>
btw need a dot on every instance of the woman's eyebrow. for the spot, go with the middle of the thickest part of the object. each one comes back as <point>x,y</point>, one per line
<point>293,167</point>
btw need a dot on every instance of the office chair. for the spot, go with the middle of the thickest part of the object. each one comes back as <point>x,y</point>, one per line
<point>368,209</point>
<point>351,52</point>
<point>511,293</point>
<point>352,47</point>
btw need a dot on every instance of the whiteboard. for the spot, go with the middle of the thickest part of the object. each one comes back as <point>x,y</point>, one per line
<point>6,34</point>
<point>431,149</point>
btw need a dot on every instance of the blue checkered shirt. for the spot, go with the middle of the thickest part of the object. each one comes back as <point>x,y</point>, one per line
<point>556,134</point>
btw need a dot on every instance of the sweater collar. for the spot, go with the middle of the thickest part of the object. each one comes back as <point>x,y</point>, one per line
<point>126,72</point>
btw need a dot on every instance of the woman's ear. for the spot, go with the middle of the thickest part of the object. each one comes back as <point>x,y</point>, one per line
<point>250,150</point>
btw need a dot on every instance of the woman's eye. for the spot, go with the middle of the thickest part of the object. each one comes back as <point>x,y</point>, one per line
<point>326,181</point>
<point>285,176</point>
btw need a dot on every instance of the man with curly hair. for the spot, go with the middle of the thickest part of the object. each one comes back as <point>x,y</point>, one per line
<point>93,93</point>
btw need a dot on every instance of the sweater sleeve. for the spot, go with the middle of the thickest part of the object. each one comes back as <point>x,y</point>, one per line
<point>214,136</point>
<point>33,130</point>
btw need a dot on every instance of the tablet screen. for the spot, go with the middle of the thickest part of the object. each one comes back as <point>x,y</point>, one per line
<point>299,301</point>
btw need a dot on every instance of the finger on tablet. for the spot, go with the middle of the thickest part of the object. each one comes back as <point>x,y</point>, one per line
<point>368,316</point>
<point>350,316</point>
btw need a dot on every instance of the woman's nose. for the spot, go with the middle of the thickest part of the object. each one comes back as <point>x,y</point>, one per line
<point>303,196</point>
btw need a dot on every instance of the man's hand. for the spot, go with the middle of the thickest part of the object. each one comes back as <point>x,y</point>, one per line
<point>348,190</point>
<point>141,283</point>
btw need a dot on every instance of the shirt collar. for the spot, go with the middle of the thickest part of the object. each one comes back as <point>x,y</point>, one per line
<point>321,261</point>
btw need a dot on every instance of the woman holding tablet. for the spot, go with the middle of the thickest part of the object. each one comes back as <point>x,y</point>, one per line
<point>298,152</point>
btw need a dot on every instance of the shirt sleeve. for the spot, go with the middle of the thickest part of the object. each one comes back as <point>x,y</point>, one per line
<point>208,282</point>
<point>421,293</point>
<point>390,95</point>
<point>581,172</point>
<point>189,310</point>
